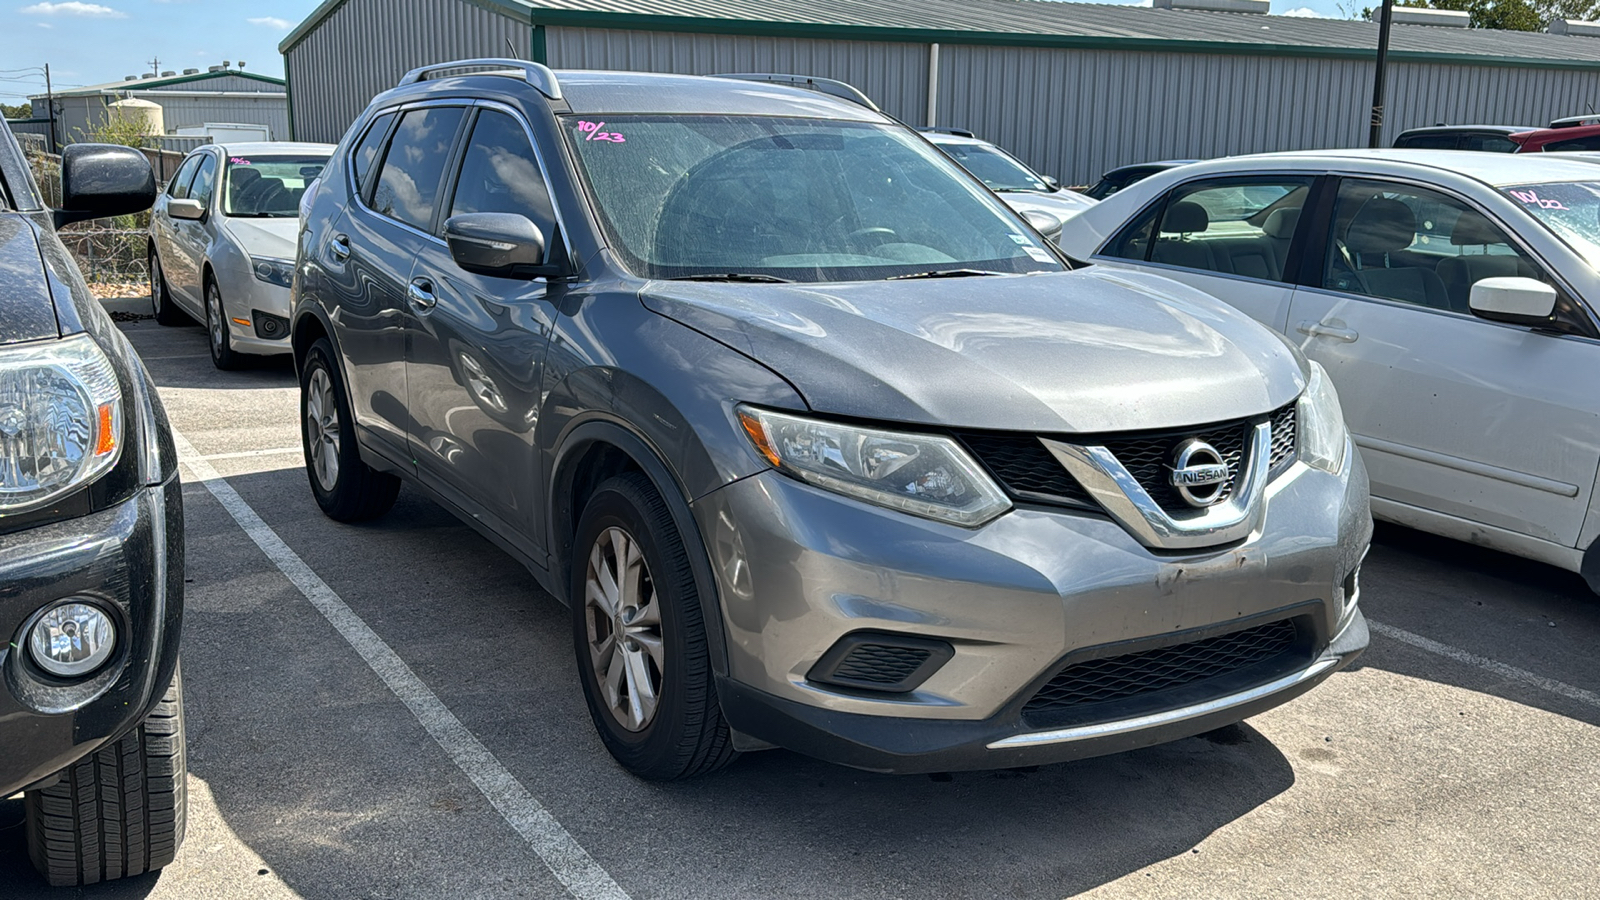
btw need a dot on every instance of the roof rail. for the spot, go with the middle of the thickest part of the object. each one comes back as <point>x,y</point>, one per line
<point>954,132</point>
<point>535,74</point>
<point>1574,121</point>
<point>820,85</point>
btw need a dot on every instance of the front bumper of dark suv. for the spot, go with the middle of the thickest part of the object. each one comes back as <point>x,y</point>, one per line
<point>126,559</point>
<point>888,643</point>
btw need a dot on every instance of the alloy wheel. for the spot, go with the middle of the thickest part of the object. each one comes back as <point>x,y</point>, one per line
<point>322,429</point>
<point>624,629</point>
<point>214,318</point>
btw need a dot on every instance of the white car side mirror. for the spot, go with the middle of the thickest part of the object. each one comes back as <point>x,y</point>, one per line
<point>1046,224</point>
<point>189,210</point>
<point>1520,301</point>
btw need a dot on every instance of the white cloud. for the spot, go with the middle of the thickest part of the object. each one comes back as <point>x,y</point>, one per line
<point>74,8</point>
<point>273,22</point>
<point>1304,12</point>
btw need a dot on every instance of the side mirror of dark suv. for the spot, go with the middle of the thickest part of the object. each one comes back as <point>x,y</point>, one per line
<point>500,245</point>
<point>102,180</point>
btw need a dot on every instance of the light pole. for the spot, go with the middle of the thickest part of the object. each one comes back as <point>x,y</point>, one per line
<point>1375,139</point>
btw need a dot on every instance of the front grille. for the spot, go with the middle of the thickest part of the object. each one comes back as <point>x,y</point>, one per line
<point>1285,434</point>
<point>1165,668</point>
<point>1027,470</point>
<point>880,664</point>
<point>1150,459</point>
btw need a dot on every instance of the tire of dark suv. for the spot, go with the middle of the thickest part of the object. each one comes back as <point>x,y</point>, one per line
<point>161,295</point>
<point>347,489</point>
<point>640,638</point>
<point>119,812</point>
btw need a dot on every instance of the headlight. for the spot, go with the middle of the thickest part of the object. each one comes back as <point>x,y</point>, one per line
<point>923,475</point>
<point>1322,437</point>
<point>273,271</point>
<point>60,420</point>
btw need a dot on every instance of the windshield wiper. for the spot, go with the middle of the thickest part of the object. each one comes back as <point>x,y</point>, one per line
<point>945,273</point>
<point>753,277</point>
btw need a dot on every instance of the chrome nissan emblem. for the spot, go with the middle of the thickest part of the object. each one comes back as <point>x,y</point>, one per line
<point>1199,473</point>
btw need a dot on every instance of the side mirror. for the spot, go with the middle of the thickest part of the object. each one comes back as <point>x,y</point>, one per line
<point>1044,223</point>
<point>1053,182</point>
<point>500,245</point>
<point>188,210</point>
<point>102,180</point>
<point>1518,301</point>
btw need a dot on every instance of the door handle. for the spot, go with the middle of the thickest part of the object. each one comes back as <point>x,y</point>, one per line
<point>1317,329</point>
<point>340,247</point>
<point>421,294</point>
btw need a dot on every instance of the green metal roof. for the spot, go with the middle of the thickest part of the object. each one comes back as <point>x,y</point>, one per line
<point>1045,23</point>
<point>145,84</point>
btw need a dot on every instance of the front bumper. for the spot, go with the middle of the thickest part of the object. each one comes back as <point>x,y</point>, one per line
<point>129,558</point>
<point>1017,600</point>
<point>250,304</point>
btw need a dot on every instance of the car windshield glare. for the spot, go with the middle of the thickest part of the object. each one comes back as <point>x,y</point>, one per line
<point>799,199</point>
<point>1571,210</point>
<point>269,187</point>
<point>995,169</point>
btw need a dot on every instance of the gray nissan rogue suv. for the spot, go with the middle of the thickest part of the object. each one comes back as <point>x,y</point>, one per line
<point>824,446</point>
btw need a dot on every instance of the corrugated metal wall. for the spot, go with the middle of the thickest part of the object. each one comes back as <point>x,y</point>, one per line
<point>365,47</point>
<point>219,83</point>
<point>894,75</point>
<point>272,110</point>
<point>1074,114</point>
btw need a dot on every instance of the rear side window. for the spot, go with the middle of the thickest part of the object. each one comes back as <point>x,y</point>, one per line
<point>205,181</point>
<point>1428,142</point>
<point>1489,143</point>
<point>366,152</point>
<point>413,167</point>
<point>178,188</point>
<point>1584,143</point>
<point>500,173</point>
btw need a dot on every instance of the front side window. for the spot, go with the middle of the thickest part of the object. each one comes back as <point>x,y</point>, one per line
<point>995,168</point>
<point>1233,227</point>
<point>408,182</point>
<point>178,187</point>
<point>269,187</point>
<point>205,181</point>
<point>500,173</point>
<point>791,198</point>
<point>1416,246</point>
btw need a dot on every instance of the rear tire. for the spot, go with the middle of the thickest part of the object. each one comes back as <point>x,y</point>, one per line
<point>119,812</point>
<point>161,295</point>
<point>347,489</point>
<point>219,331</point>
<point>641,639</point>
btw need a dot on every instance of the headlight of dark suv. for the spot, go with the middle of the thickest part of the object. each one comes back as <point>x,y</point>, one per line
<point>921,474</point>
<point>60,420</point>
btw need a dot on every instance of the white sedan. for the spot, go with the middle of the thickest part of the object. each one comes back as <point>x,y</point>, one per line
<point>222,244</point>
<point>1023,189</point>
<point>1451,297</point>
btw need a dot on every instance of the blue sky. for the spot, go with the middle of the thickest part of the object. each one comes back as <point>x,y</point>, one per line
<point>104,40</point>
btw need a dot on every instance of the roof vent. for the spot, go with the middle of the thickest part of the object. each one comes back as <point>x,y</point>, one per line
<point>1256,7</point>
<point>191,71</point>
<point>1577,27</point>
<point>147,76</point>
<point>241,65</point>
<point>1412,15</point>
<point>130,78</point>
<point>214,69</point>
<point>168,74</point>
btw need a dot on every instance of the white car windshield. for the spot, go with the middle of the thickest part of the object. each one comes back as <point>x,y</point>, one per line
<point>994,168</point>
<point>792,199</point>
<point>1571,210</point>
<point>269,187</point>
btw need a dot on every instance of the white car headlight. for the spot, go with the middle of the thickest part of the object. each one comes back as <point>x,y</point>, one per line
<point>924,475</point>
<point>273,271</point>
<point>1323,436</point>
<point>60,420</point>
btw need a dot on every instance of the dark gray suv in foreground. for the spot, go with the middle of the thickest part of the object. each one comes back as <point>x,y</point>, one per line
<point>824,446</point>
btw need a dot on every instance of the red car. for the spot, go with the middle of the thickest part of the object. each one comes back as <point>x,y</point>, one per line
<point>1563,135</point>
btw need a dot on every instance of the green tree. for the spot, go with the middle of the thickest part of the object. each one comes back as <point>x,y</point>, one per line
<point>20,111</point>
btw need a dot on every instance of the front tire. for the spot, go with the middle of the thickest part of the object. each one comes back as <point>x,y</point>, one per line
<point>119,812</point>
<point>347,489</point>
<point>220,335</point>
<point>161,294</point>
<point>641,639</point>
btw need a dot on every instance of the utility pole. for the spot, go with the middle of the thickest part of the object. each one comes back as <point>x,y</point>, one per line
<point>50,108</point>
<point>155,66</point>
<point>1375,139</point>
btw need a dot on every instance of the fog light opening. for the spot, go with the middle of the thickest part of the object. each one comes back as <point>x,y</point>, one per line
<point>72,639</point>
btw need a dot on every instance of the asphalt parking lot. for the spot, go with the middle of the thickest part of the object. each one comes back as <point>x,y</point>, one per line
<point>391,711</point>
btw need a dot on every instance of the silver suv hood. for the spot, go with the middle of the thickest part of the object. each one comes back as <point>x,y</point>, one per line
<point>1076,352</point>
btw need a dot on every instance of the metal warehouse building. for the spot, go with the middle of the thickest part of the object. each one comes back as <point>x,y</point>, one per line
<point>1073,88</point>
<point>188,102</point>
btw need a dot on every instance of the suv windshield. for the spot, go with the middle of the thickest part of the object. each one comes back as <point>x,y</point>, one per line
<point>793,199</point>
<point>269,187</point>
<point>1570,210</point>
<point>994,168</point>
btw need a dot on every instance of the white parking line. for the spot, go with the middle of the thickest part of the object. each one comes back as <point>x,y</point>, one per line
<point>1510,673</point>
<point>566,859</point>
